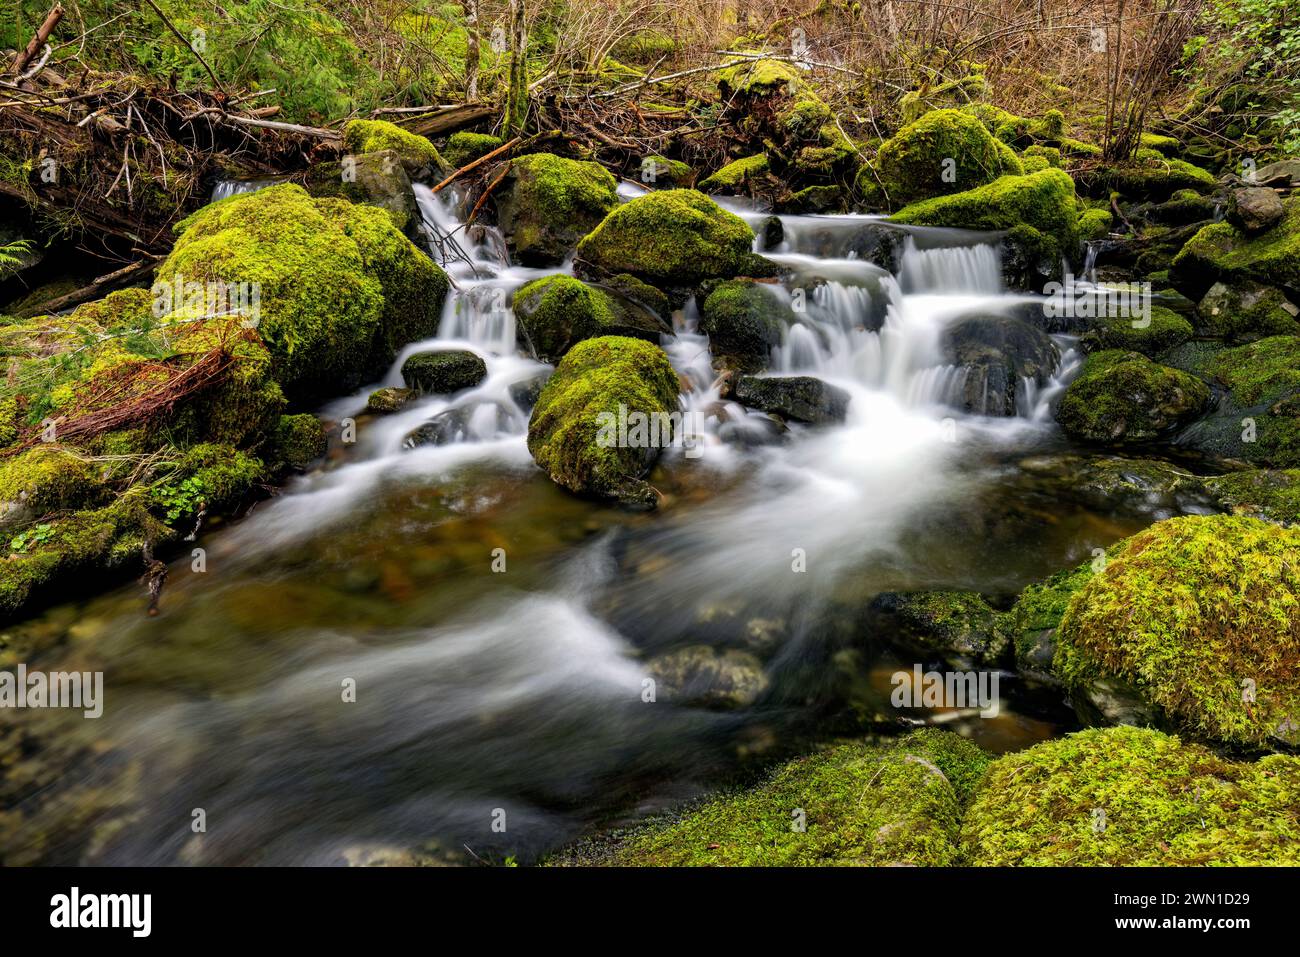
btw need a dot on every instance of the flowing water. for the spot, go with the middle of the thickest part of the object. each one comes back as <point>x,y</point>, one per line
<point>489,693</point>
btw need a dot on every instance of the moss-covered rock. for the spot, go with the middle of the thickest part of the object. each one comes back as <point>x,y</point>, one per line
<point>997,354</point>
<point>1149,176</point>
<point>1037,614</point>
<point>1123,797</point>
<point>1222,253</point>
<point>299,440</point>
<point>1245,311</point>
<point>1272,495</point>
<point>339,287</point>
<point>573,432</point>
<point>464,147</point>
<point>1150,335</point>
<point>556,312</point>
<point>443,371</point>
<point>744,321</point>
<point>1122,397</point>
<point>391,399</point>
<point>738,176</point>
<point>1203,614</point>
<point>547,203</point>
<point>659,172</point>
<point>372,136</point>
<point>675,237</point>
<point>868,805</point>
<point>1095,224</point>
<point>1257,420</point>
<point>959,625</point>
<point>48,478</point>
<point>376,179</point>
<point>1043,201</point>
<point>943,152</point>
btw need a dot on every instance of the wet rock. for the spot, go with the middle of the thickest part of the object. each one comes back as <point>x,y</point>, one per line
<point>1282,173</point>
<point>950,623</point>
<point>744,321</point>
<point>1253,209</point>
<point>458,424</point>
<point>1273,495</point>
<point>1156,332</point>
<point>376,179</point>
<point>801,398</point>
<point>442,372</point>
<point>555,312</point>
<point>1223,253</point>
<point>879,243</point>
<point>997,353</point>
<point>703,676</point>
<point>526,391</point>
<point>773,232</point>
<point>1115,482</point>
<point>388,400</point>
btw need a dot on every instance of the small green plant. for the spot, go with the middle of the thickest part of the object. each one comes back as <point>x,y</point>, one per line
<point>185,497</point>
<point>31,538</point>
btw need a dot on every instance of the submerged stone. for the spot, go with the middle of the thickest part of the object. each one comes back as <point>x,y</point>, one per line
<point>801,398</point>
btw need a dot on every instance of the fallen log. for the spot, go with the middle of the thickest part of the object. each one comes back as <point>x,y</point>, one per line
<point>38,40</point>
<point>93,290</point>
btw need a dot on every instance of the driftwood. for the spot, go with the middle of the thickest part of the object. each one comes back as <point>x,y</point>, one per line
<point>450,119</point>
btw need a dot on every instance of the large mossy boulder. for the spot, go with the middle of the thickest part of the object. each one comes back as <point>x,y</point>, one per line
<point>574,432</point>
<point>339,288</point>
<point>1202,614</point>
<point>1042,201</point>
<point>1222,253</point>
<point>547,203</point>
<point>1161,329</point>
<point>1126,797</point>
<point>415,152</point>
<point>1149,176</point>
<point>671,238</point>
<point>858,804</point>
<point>997,354</point>
<point>744,320</point>
<point>1257,419</point>
<point>1123,397</point>
<point>556,312</point>
<point>945,151</point>
<point>464,147</point>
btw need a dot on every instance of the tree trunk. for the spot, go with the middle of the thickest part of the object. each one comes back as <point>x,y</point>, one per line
<point>471,49</point>
<point>517,95</point>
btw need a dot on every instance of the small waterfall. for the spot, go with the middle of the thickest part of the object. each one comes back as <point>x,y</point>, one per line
<point>1035,402</point>
<point>225,188</point>
<point>951,269</point>
<point>1090,262</point>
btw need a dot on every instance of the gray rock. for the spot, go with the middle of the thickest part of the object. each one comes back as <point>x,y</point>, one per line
<point>997,354</point>
<point>384,401</point>
<point>1253,209</point>
<point>703,676</point>
<point>801,398</point>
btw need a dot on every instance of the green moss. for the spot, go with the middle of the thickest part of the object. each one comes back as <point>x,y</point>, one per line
<point>737,175</point>
<point>1133,797</point>
<point>758,78</point>
<point>663,172</point>
<point>443,372</point>
<point>370,136</point>
<point>953,623</point>
<point>1095,224</point>
<point>1043,200</point>
<point>339,287</point>
<point>1051,154</point>
<point>1149,176</point>
<point>1245,311</point>
<point>945,151</point>
<point>1167,145</point>
<point>1260,372</point>
<point>645,46</point>
<point>596,380</point>
<point>863,805</point>
<point>551,203</point>
<point>1189,610</point>
<point>676,237</point>
<point>744,321</point>
<point>1124,397</point>
<point>85,544</point>
<point>465,147</point>
<point>1260,493</point>
<point>46,479</point>
<point>1221,253</point>
<point>299,440</point>
<point>1037,614</point>
<point>208,478</point>
<point>555,312</point>
<point>1078,148</point>
<point>1164,329</point>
